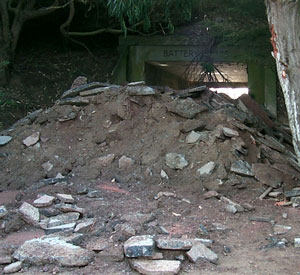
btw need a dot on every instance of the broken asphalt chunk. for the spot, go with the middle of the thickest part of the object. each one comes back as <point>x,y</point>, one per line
<point>139,246</point>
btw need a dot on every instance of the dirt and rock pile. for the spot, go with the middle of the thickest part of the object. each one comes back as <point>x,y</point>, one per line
<point>105,163</point>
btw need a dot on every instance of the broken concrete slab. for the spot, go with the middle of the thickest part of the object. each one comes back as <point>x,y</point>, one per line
<point>65,207</point>
<point>76,90</point>
<point>156,267</point>
<point>279,229</point>
<point>84,226</point>
<point>60,228</point>
<point>174,244</point>
<point>52,250</point>
<point>292,193</point>
<point>206,169</point>
<point>44,201</point>
<point>236,206</point>
<point>230,132</point>
<point>12,268</point>
<point>139,246</point>
<point>75,101</point>
<point>192,137</point>
<point>4,140</point>
<point>187,108</point>
<point>63,219</point>
<point>296,242</point>
<point>140,90</point>
<point>32,140</point>
<point>241,167</point>
<point>65,198</point>
<point>176,161</point>
<point>267,175</point>
<point>30,213</point>
<point>200,251</point>
<point>95,91</point>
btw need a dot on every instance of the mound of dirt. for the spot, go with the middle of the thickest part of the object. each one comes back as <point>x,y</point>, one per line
<point>97,131</point>
<point>144,145</point>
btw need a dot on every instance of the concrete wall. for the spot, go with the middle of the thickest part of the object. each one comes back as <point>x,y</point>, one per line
<point>135,51</point>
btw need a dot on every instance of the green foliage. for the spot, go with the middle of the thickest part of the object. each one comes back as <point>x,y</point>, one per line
<point>238,24</point>
<point>150,15</point>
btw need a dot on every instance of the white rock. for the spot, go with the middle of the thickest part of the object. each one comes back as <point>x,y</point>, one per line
<point>281,229</point>
<point>47,166</point>
<point>3,211</point>
<point>200,251</point>
<point>4,140</point>
<point>12,268</point>
<point>230,132</point>
<point>52,251</point>
<point>297,242</point>
<point>44,201</point>
<point>65,198</point>
<point>207,169</point>
<point>164,175</point>
<point>176,161</point>
<point>192,137</point>
<point>84,226</point>
<point>63,219</point>
<point>30,213</point>
<point>156,267</point>
<point>65,227</point>
<point>31,140</point>
<point>125,162</point>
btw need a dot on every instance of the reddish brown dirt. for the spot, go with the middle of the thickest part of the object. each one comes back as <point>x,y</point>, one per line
<point>142,129</point>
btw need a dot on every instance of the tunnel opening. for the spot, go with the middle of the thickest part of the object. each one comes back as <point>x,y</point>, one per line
<point>230,78</point>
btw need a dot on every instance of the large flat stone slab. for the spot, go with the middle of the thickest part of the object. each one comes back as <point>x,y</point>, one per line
<point>156,267</point>
<point>187,108</point>
<point>52,250</point>
<point>267,175</point>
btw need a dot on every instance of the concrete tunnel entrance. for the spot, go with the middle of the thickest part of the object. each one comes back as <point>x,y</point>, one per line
<point>229,78</point>
<point>162,60</point>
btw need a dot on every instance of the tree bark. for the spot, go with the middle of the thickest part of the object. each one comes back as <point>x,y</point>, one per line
<point>284,22</point>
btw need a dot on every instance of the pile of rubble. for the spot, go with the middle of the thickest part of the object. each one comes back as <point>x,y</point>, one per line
<point>123,139</point>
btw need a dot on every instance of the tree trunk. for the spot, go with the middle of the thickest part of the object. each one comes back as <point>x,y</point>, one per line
<point>284,22</point>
